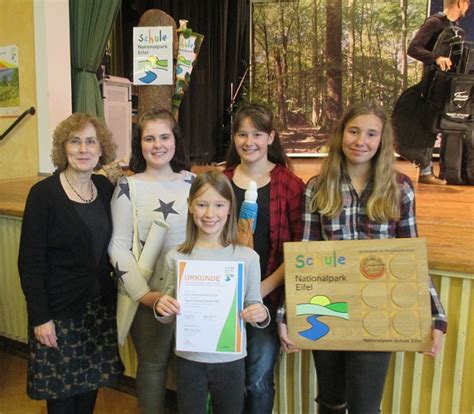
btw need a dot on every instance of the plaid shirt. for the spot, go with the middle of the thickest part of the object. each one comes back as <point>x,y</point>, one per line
<point>354,224</point>
<point>286,195</point>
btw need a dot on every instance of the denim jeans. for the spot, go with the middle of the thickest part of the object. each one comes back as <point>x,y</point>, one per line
<point>225,381</point>
<point>263,347</point>
<point>154,343</point>
<point>427,169</point>
<point>355,379</point>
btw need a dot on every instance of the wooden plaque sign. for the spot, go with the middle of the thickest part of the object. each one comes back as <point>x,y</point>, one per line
<point>157,96</point>
<point>370,295</point>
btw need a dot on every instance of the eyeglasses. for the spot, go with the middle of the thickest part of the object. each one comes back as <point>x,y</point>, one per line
<point>77,142</point>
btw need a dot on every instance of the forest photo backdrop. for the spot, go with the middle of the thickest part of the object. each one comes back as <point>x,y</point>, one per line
<point>312,58</point>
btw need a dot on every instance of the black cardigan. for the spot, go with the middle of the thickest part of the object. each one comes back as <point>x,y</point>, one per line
<point>57,267</point>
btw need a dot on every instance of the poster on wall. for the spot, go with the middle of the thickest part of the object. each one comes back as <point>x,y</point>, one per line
<point>153,55</point>
<point>311,59</point>
<point>9,81</point>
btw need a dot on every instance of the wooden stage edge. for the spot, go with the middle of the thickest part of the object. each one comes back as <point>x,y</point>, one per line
<point>445,214</point>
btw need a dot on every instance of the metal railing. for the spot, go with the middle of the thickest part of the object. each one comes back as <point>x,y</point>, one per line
<point>30,111</point>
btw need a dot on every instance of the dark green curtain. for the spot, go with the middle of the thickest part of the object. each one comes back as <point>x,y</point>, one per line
<point>90,24</point>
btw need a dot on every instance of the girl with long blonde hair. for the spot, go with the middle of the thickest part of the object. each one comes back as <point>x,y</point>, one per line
<point>384,199</point>
<point>359,195</point>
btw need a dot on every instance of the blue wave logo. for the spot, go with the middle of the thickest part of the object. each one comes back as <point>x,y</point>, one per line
<point>229,274</point>
<point>318,306</point>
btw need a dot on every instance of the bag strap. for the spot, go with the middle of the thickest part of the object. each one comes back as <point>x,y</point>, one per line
<point>449,35</point>
<point>136,246</point>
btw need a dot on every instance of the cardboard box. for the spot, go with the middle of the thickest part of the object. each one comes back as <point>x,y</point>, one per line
<point>369,295</point>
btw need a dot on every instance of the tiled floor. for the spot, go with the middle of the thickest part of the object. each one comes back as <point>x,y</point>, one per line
<point>13,398</point>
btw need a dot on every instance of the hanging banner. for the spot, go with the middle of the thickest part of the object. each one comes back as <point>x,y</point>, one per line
<point>9,81</point>
<point>189,44</point>
<point>153,55</point>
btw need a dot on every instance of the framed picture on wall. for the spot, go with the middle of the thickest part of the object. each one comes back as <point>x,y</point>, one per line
<point>9,81</point>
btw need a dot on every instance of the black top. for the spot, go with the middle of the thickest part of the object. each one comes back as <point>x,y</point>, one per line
<point>57,259</point>
<point>95,218</point>
<point>261,237</point>
<point>421,46</point>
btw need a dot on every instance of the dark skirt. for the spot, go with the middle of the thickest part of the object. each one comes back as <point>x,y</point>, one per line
<point>86,358</point>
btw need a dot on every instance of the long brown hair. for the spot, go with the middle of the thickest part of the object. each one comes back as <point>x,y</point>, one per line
<point>262,119</point>
<point>180,160</point>
<point>219,182</point>
<point>384,202</point>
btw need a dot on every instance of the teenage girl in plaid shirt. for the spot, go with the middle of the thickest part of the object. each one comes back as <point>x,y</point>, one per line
<point>256,154</point>
<point>359,195</point>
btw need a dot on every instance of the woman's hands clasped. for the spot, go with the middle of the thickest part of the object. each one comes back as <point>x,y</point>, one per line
<point>46,334</point>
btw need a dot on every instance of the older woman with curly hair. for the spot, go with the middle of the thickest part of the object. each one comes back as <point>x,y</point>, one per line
<point>65,272</point>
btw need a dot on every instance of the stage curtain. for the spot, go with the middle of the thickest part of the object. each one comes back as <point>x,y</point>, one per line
<point>116,48</point>
<point>224,57</point>
<point>90,25</point>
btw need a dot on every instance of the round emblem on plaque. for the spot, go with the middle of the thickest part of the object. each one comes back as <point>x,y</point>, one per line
<point>372,267</point>
<point>403,266</point>
<point>374,294</point>
<point>376,323</point>
<point>406,323</point>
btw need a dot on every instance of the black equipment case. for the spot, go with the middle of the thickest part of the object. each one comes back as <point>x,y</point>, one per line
<point>441,102</point>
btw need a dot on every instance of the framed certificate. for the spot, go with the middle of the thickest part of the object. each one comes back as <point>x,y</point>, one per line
<point>210,294</point>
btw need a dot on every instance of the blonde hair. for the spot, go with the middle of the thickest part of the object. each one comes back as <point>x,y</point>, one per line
<point>450,3</point>
<point>219,182</point>
<point>75,123</point>
<point>384,201</point>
